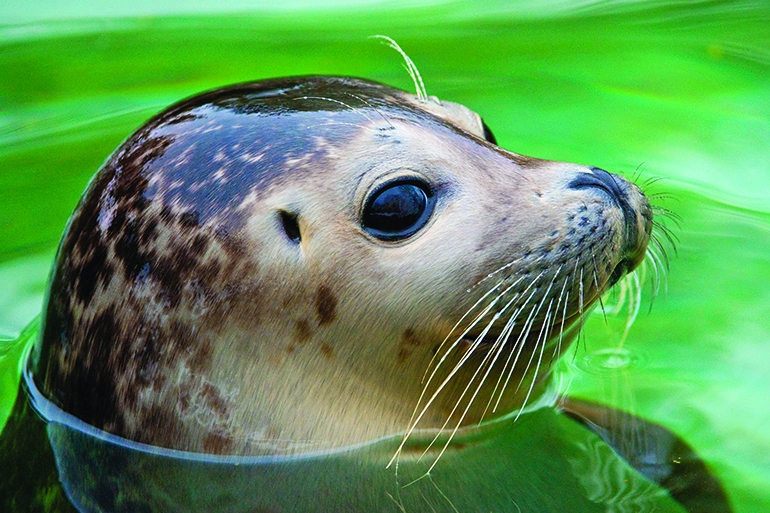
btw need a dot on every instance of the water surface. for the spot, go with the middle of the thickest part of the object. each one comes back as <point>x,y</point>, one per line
<point>678,91</point>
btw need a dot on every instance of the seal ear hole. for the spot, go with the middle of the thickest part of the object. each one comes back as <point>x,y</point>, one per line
<point>290,226</point>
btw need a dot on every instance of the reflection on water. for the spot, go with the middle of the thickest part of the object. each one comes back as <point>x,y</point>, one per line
<point>501,466</point>
<point>677,90</point>
<point>609,361</point>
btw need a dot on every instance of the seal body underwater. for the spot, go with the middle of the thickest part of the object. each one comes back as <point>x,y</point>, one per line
<point>312,262</point>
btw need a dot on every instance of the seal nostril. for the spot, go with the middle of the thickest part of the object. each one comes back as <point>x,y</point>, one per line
<point>600,179</point>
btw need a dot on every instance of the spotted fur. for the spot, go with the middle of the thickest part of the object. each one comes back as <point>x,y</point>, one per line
<point>180,314</point>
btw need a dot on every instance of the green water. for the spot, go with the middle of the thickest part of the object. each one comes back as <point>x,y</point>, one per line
<point>676,91</point>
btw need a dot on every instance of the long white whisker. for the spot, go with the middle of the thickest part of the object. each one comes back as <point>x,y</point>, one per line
<point>500,343</point>
<point>422,95</point>
<point>310,127</point>
<point>509,327</point>
<point>475,321</point>
<point>558,303</point>
<point>546,324</point>
<point>521,341</point>
<point>537,368</point>
<point>635,305</point>
<point>459,400</point>
<point>357,111</point>
<point>542,329</point>
<point>374,108</point>
<point>561,329</point>
<point>451,374</point>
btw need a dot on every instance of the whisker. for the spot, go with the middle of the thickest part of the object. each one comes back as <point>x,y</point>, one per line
<point>500,269</point>
<point>537,342</point>
<point>473,323</point>
<point>537,367</point>
<point>310,127</point>
<point>482,366</point>
<point>508,332</point>
<point>654,276</point>
<point>422,95</point>
<point>665,212</point>
<point>650,181</point>
<point>661,196</point>
<point>598,288</point>
<point>660,247</point>
<point>451,373</point>
<point>499,344</point>
<point>518,344</point>
<point>637,173</point>
<point>581,311</point>
<point>443,495</point>
<point>357,111</point>
<point>414,421</point>
<point>557,346</point>
<point>485,364</point>
<point>371,106</point>
<point>521,341</point>
<point>561,329</point>
<point>488,367</point>
<point>635,304</point>
<point>668,234</point>
<point>660,274</point>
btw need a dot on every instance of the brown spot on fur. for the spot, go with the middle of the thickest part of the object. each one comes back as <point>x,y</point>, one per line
<point>303,331</point>
<point>198,246</point>
<point>327,350</point>
<point>232,244</point>
<point>325,305</point>
<point>190,219</point>
<point>217,443</point>
<point>408,342</point>
<point>183,400</point>
<point>158,419</point>
<point>158,382</point>
<point>90,389</point>
<point>201,359</point>
<point>95,269</point>
<point>409,338</point>
<point>215,400</point>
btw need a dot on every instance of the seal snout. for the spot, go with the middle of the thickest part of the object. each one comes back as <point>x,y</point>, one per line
<point>637,218</point>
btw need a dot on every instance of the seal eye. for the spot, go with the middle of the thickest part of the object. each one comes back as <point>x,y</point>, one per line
<point>398,210</point>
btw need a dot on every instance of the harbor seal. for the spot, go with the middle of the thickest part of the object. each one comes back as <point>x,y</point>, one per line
<point>315,261</point>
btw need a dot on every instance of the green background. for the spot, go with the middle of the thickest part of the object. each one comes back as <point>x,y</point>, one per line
<point>679,91</point>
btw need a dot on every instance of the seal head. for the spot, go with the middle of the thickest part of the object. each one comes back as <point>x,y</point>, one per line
<point>291,264</point>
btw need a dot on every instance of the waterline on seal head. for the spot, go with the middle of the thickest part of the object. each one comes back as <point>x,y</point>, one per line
<point>141,475</point>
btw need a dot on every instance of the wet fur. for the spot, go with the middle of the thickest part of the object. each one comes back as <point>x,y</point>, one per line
<point>180,314</point>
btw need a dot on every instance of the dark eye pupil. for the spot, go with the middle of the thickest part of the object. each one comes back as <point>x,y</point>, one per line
<point>396,208</point>
<point>397,211</point>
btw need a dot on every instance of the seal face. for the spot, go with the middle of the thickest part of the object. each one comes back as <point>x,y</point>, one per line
<point>291,264</point>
